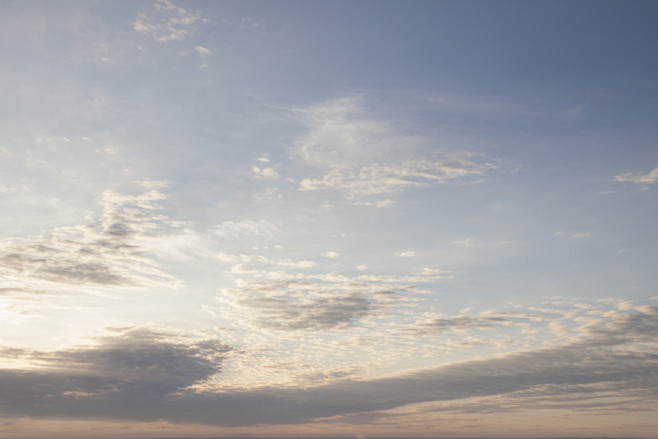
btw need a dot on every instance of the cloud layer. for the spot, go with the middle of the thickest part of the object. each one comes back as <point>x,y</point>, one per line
<point>141,374</point>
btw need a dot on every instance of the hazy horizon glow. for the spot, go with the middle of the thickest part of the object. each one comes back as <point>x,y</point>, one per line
<point>329,218</point>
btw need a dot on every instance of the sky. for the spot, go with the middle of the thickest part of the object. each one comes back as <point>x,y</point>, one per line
<point>328,218</point>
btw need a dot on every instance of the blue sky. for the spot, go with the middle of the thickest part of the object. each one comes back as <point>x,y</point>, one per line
<point>359,219</point>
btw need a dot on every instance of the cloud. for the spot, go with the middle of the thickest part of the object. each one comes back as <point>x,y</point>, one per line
<point>379,179</point>
<point>407,254</point>
<point>468,242</point>
<point>459,323</point>
<point>339,134</point>
<point>365,157</point>
<point>131,367</point>
<point>202,50</point>
<point>244,228</point>
<point>306,305</point>
<point>486,320</point>
<point>111,253</point>
<point>582,235</point>
<point>169,23</point>
<point>616,351</point>
<point>267,297</point>
<point>265,173</point>
<point>330,254</point>
<point>649,178</point>
<point>286,312</point>
<point>246,259</point>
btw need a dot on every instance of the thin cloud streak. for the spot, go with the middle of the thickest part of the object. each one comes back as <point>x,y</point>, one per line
<point>638,178</point>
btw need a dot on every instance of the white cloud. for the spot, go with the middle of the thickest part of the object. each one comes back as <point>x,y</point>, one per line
<point>244,228</point>
<point>365,157</point>
<point>468,242</point>
<point>472,243</point>
<point>428,271</point>
<point>19,188</point>
<point>407,254</point>
<point>168,22</point>
<point>265,173</point>
<point>295,264</point>
<point>649,178</point>
<point>378,179</point>
<point>339,134</point>
<point>377,203</point>
<point>262,260</point>
<point>202,50</point>
<point>330,254</point>
<point>229,259</point>
<point>582,235</point>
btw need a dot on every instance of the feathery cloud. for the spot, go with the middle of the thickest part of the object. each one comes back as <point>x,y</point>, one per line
<point>365,157</point>
<point>649,178</point>
<point>110,253</point>
<point>168,23</point>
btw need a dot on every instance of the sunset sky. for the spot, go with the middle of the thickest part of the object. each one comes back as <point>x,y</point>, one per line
<point>328,218</point>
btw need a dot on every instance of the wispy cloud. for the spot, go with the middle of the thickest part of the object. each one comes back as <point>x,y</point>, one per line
<point>244,228</point>
<point>107,254</point>
<point>582,235</point>
<point>378,179</point>
<point>429,324</point>
<point>364,157</point>
<point>639,178</point>
<point>458,323</point>
<point>169,22</point>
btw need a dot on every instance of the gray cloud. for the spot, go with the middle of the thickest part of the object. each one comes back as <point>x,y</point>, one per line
<point>460,323</point>
<point>291,313</point>
<point>299,300</point>
<point>135,364</point>
<point>617,351</point>
<point>105,254</point>
<point>311,302</point>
